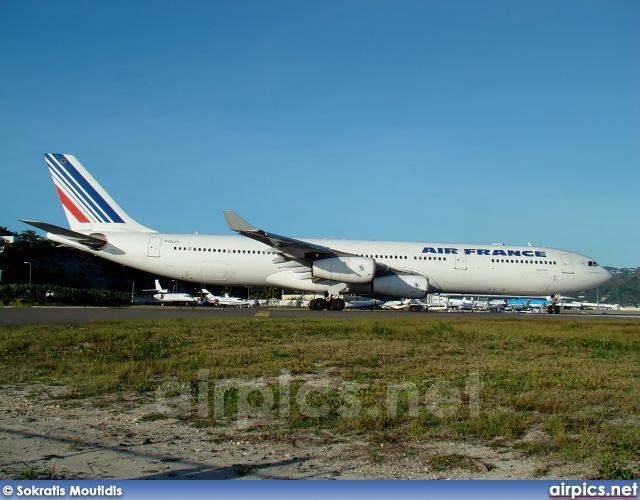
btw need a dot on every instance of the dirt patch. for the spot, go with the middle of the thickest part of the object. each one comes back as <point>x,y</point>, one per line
<point>46,430</point>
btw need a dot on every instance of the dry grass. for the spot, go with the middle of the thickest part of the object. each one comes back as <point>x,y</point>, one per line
<point>575,381</point>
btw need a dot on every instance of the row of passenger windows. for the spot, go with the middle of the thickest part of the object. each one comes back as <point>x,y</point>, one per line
<point>384,256</point>
<point>222,250</point>
<point>415,257</point>
<point>263,252</point>
<point>516,261</point>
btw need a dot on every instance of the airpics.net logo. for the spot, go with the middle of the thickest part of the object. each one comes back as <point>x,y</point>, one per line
<point>315,398</point>
<point>586,490</point>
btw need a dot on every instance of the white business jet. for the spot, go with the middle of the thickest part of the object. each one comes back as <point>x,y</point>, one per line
<point>363,305</point>
<point>225,300</point>
<point>163,296</point>
<point>157,289</point>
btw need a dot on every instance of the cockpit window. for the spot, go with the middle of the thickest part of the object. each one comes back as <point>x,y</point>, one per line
<point>593,263</point>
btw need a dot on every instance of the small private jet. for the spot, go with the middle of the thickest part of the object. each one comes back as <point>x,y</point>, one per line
<point>157,289</point>
<point>364,305</point>
<point>162,296</point>
<point>225,300</point>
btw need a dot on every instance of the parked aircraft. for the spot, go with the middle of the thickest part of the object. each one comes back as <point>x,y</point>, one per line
<point>162,296</point>
<point>157,289</point>
<point>175,298</point>
<point>497,305</point>
<point>440,307</point>
<point>519,305</point>
<point>225,300</point>
<point>600,305</point>
<point>571,305</point>
<point>378,269</point>
<point>397,305</point>
<point>370,304</point>
<point>461,304</point>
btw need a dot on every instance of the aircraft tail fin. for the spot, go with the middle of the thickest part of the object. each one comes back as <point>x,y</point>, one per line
<point>86,204</point>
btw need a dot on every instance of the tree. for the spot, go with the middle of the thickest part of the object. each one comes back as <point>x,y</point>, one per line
<point>262,293</point>
<point>30,235</point>
<point>6,232</point>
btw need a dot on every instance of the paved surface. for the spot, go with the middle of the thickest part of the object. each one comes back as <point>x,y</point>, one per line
<point>74,315</point>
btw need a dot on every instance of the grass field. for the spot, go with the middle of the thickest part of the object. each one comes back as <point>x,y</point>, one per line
<point>565,391</point>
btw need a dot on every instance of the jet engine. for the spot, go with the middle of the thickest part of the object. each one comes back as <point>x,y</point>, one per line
<point>411,286</point>
<point>345,269</point>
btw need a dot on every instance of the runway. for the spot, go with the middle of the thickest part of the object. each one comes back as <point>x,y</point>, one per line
<point>77,315</point>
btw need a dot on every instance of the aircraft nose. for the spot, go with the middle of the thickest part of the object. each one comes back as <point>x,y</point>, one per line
<point>605,277</point>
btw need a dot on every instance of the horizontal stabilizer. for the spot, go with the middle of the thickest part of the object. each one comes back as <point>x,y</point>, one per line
<point>95,241</point>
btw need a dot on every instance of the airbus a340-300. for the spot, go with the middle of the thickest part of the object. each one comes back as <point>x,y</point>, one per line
<point>380,269</point>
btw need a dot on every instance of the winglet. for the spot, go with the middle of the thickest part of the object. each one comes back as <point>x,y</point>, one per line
<point>237,223</point>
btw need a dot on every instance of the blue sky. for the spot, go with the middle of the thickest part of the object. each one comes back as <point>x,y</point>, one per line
<point>432,121</point>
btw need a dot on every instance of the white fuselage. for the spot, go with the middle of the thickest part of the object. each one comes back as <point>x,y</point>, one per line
<point>364,304</point>
<point>174,298</point>
<point>450,268</point>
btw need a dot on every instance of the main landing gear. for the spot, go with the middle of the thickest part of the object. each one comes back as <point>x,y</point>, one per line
<point>334,304</point>
<point>554,306</point>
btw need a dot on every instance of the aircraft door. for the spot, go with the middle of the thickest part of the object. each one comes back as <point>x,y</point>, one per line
<point>567,265</point>
<point>154,247</point>
<point>461,260</point>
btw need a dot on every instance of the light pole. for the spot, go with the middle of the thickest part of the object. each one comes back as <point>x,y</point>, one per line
<point>29,291</point>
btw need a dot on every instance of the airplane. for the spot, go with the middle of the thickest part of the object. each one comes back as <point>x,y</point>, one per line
<point>497,305</point>
<point>572,305</point>
<point>440,306</point>
<point>225,300</point>
<point>164,297</point>
<point>397,305</point>
<point>600,305</point>
<point>377,269</point>
<point>370,304</point>
<point>463,304</point>
<point>175,298</point>
<point>519,305</point>
<point>157,289</point>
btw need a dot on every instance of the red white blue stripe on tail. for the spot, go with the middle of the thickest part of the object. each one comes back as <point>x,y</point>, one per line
<point>87,205</point>
<point>77,194</point>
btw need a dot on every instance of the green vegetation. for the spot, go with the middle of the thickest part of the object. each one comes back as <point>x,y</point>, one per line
<point>491,380</point>
<point>30,295</point>
<point>624,288</point>
<point>29,473</point>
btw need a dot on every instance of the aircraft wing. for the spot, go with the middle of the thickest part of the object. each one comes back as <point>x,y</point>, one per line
<point>91,241</point>
<point>291,247</point>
